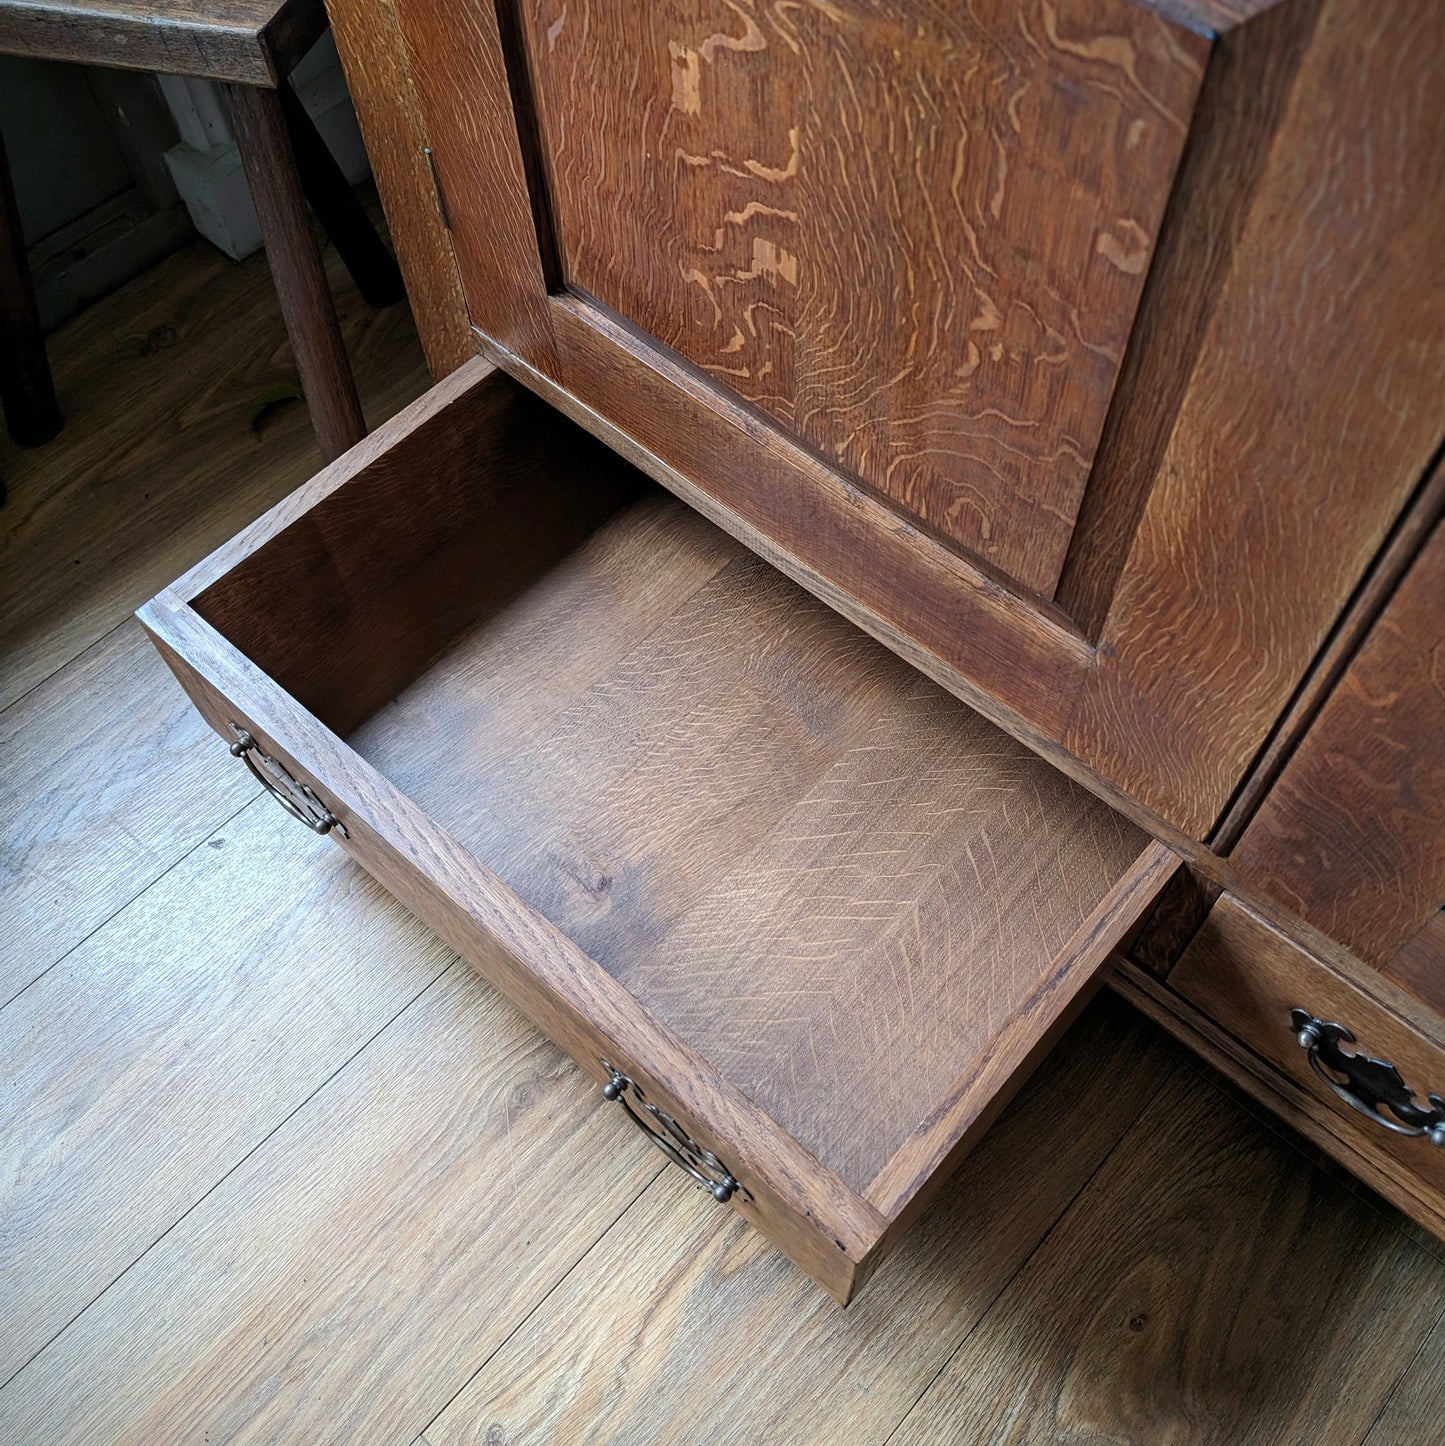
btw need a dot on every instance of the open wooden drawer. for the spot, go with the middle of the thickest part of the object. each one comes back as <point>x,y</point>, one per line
<point>807,917</point>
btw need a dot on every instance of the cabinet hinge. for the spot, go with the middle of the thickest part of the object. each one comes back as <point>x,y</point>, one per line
<point>436,185</point>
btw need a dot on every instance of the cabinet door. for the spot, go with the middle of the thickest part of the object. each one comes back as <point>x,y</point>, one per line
<point>1352,837</point>
<point>1028,332</point>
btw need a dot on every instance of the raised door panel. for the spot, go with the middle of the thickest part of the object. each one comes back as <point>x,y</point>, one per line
<point>913,237</point>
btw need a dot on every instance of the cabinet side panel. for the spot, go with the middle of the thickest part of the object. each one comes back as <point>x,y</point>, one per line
<point>1241,107</point>
<point>1312,412</point>
<point>377,74</point>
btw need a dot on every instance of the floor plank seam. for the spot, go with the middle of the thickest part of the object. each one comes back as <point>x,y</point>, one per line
<point>55,672</point>
<point>542,1300</point>
<point>231,1170</point>
<point>134,898</point>
<point>1399,1380</point>
<point>1038,1245</point>
<point>380,1330</point>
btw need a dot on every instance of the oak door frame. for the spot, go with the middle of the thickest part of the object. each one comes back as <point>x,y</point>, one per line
<point>1195,635</point>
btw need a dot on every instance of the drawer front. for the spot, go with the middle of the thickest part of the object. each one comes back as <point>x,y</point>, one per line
<point>990,324</point>
<point>560,991</point>
<point>1287,1005</point>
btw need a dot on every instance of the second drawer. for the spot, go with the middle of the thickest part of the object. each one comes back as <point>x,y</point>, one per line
<point>1354,1062</point>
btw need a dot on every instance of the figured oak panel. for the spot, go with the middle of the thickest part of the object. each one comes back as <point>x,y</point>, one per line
<point>1251,503</point>
<point>914,237</point>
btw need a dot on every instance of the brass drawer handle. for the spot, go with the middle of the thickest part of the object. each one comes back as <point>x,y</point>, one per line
<point>290,793</point>
<point>1370,1086</point>
<point>671,1138</point>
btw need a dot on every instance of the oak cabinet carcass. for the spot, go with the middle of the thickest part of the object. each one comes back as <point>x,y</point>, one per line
<point>947,464</point>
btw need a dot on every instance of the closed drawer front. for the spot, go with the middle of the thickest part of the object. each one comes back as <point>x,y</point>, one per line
<point>806,916</point>
<point>1353,1059</point>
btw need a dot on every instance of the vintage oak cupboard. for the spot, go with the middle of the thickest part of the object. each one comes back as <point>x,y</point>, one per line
<point>926,507</point>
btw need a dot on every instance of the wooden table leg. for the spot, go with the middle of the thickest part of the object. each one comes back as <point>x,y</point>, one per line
<point>27,392</point>
<point>306,303</point>
<point>377,276</point>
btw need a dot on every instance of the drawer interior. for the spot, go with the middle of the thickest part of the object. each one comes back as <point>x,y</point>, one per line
<point>831,878</point>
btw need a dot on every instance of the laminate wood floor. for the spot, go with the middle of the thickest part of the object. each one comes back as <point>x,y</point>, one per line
<point>275,1166</point>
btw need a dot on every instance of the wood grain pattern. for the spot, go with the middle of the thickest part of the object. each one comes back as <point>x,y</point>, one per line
<point>675,1330</point>
<point>342,1283</point>
<point>441,524</point>
<point>458,58</point>
<point>1175,919</point>
<point>1300,479</point>
<point>692,821</point>
<point>90,810</point>
<point>163,373</point>
<point>915,241</point>
<point>1122,1326</point>
<point>1300,1116</point>
<point>1243,971</point>
<point>1411,531</point>
<point>1185,903</point>
<point>250,42</point>
<point>367,1256</point>
<point>378,76</point>
<point>569,995</point>
<point>566,994</point>
<point>1419,963</point>
<point>982,1090</point>
<point>1043,647</point>
<point>125,1065</point>
<point>1211,17</point>
<point>1239,115</point>
<point>1352,837</point>
<point>1271,500</point>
